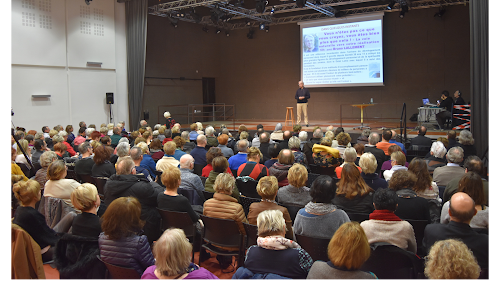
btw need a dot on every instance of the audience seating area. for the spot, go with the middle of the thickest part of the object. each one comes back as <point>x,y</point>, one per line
<point>222,237</point>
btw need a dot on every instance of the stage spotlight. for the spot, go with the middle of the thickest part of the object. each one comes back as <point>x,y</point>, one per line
<point>205,28</point>
<point>262,26</point>
<point>180,14</point>
<point>250,33</point>
<point>300,3</point>
<point>404,9</point>
<point>260,6</point>
<point>227,33</point>
<point>391,5</point>
<point>267,28</point>
<point>217,31</point>
<point>440,13</point>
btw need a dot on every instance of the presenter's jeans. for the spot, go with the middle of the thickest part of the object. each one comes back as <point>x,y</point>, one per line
<point>302,108</point>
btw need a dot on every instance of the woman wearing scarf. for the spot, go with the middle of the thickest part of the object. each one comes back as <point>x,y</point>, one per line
<point>320,218</point>
<point>385,226</point>
<point>275,254</point>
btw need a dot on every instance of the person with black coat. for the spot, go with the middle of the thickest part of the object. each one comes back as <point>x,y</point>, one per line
<point>126,183</point>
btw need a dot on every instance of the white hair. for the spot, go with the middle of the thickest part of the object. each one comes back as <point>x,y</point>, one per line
<point>157,126</point>
<point>209,131</point>
<point>438,149</point>
<point>303,136</point>
<point>89,131</point>
<point>199,125</point>
<point>166,114</point>
<point>63,133</point>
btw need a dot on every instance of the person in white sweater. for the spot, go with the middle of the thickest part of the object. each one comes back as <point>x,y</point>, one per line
<point>385,226</point>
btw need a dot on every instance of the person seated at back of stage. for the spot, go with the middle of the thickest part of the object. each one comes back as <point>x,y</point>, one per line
<point>199,153</point>
<point>252,168</point>
<point>387,164</point>
<point>211,154</point>
<point>324,155</point>
<point>273,151</point>
<point>349,157</point>
<point>241,157</point>
<point>384,143</point>
<point>421,139</point>
<point>447,104</point>
<point>398,161</point>
<point>280,168</point>
<point>294,145</point>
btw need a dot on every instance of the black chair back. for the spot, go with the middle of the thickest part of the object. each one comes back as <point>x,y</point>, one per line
<point>203,180</point>
<point>251,235</point>
<point>292,210</point>
<point>207,194</point>
<point>198,169</point>
<point>246,202</point>
<point>358,217</point>
<point>418,229</point>
<point>391,262</point>
<point>100,183</point>
<point>86,178</point>
<point>71,174</point>
<point>25,169</point>
<point>316,247</point>
<point>248,188</point>
<point>192,195</point>
<point>330,171</point>
<point>37,167</point>
<point>180,220</point>
<point>119,272</point>
<point>441,191</point>
<point>311,177</point>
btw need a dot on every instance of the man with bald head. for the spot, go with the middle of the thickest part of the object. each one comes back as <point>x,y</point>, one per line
<point>462,210</point>
<point>302,96</point>
<point>199,152</point>
<point>189,180</point>
<point>286,137</point>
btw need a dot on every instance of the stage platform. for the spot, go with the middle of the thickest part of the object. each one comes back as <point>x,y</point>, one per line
<point>348,125</point>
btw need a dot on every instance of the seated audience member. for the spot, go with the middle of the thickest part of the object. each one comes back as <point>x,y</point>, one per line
<point>172,254</point>
<point>443,175</point>
<point>85,164</point>
<point>224,206</point>
<point>267,189</point>
<point>70,149</point>
<point>421,139</point>
<point>179,143</point>
<point>156,149</point>
<point>20,156</point>
<point>324,155</point>
<point>443,140</point>
<point>60,150</point>
<point>451,259</point>
<point>188,145</point>
<point>28,218</point>
<point>424,187</point>
<point>40,148</point>
<point>349,156</point>
<point>136,155</point>
<point>274,256</point>
<point>451,135</point>
<point>363,138</point>
<point>211,139</point>
<point>353,194</point>
<point>170,200</point>
<point>462,210</point>
<point>466,142</point>
<point>256,137</point>
<point>436,158</point>
<point>116,136</point>
<point>103,167</point>
<point>168,159</point>
<point>398,162</point>
<point>161,134</point>
<point>252,168</point>
<point>294,145</point>
<point>148,136</point>
<point>277,134</point>
<point>242,128</point>
<point>368,165</point>
<point>81,136</point>
<point>296,193</point>
<point>226,151</point>
<point>264,143</point>
<point>410,205</point>
<point>273,152</point>
<point>241,157</point>
<point>347,251</point>
<point>176,130</point>
<point>384,143</point>
<point>120,243</point>
<point>220,165</point>
<point>296,130</point>
<point>189,180</point>
<point>45,160</point>
<point>360,149</point>
<point>286,138</point>
<point>86,199</point>
<point>472,185</point>
<point>126,183</point>
<point>394,141</point>
<point>343,140</point>
<point>387,165</point>
<point>280,168</point>
<point>303,140</point>
<point>147,162</point>
<point>379,154</point>
<point>58,186</point>
<point>472,164</point>
<point>15,169</point>
<point>199,152</point>
<point>320,218</point>
<point>211,154</point>
<point>385,226</point>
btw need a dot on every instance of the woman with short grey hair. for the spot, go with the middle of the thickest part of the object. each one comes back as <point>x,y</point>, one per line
<point>122,150</point>
<point>45,160</point>
<point>294,145</point>
<point>467,143</point>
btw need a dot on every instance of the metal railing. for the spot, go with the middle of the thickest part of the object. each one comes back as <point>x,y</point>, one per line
<point>191,113</point>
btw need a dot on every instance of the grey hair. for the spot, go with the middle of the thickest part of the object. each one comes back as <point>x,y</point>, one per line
<point>294,142</point>
<point>63,133</point>
<point>47,158</point>
<point>122,149</point>
<point>455,155</point>
<point>465,138</point>
<point>156,127</point>
<point>303,136</point>
<point>438,149</point>
<point>278,127</point>
<point>225,131</point>
<point>350,154</point>
<point>185,135</point>
<point>209,131</point>
<point>38,135</point>
<point>84,147</point>
<point>123,139</point>
<point>373,138</point>
<point>89,131</point>
<point>242,145</point>
<point>317,133</point>
<point>57,138</point>
<point>156,133</point>
<point>366,132</point>
<point>135,153</point>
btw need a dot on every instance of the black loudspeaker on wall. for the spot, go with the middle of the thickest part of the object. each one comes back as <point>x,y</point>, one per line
<point>109,98</point>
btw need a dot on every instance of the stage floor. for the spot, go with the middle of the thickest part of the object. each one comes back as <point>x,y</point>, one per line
<point>349,126</point>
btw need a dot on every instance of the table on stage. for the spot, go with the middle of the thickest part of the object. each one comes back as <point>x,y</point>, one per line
<point>362,106</point>
<point>428,114</point>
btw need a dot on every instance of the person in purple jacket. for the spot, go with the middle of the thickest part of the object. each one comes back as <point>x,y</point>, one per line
<point>173,259</point>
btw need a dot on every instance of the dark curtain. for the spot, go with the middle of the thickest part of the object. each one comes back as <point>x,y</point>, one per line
<point>478,11</point>
<point>136,14</point>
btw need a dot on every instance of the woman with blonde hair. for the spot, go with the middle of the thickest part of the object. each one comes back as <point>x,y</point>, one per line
<point>86,199</point>
<point>348,250</point>
<point>58,186</point>
<point>398,160</point>
<point>252,168</point>
<point>169,121</point>
<point>353,194</point>
<point>267,189</point>
<point>451,259</point>
<point>296,193</point>
<point>20,156</point>
<point>172,254</point>
<point>368,164</point>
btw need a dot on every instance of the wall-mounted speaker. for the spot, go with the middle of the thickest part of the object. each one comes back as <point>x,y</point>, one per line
<point>109,98</point>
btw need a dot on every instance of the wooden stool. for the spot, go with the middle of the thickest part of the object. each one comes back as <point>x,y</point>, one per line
<point>289,110</point>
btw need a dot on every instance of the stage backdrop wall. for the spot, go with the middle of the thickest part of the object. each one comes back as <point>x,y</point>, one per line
<point>52,41</point>
<point>423,55</point>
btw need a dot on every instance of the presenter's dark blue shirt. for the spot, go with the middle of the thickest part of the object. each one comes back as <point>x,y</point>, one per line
<point>302,93</point>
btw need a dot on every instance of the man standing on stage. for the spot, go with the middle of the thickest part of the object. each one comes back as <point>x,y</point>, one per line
<point>302,95</point>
